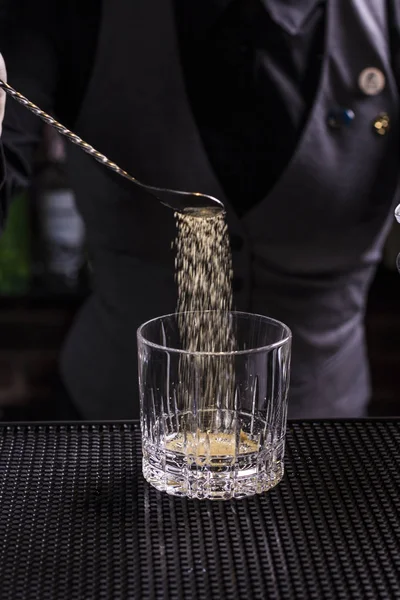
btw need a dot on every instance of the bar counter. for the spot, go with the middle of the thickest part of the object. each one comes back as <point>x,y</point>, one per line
<point>77,520</point>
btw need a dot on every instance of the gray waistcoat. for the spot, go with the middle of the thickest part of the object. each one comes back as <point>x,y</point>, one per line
<point>309,248</point>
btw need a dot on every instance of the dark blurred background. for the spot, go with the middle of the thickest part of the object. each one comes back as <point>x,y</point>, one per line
<point>45,276</point>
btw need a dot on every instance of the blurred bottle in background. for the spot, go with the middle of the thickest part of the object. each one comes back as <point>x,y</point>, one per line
<point>15,248</point>
<point>59,239</point>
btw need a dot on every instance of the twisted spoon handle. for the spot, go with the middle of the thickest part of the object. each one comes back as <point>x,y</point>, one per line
<point>199,205</point>
<point>75,139</point>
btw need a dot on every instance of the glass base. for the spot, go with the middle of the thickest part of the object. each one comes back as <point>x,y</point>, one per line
<point>209,468</point>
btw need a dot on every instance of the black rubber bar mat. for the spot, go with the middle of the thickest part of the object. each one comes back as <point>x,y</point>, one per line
<point>77,520</point>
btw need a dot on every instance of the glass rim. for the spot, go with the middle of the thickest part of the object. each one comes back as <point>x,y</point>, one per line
<point>267,347</point>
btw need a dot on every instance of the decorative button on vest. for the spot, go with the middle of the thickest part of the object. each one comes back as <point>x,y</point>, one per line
<point>340,117</point>
<point>372,81</point>
<point>382,124</point>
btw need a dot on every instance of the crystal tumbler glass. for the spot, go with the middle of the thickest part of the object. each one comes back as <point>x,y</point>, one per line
<point>213,423</point>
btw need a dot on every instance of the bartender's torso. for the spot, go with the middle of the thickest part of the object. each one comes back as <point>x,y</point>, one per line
<point>247,100</point>
<point>250,83</point>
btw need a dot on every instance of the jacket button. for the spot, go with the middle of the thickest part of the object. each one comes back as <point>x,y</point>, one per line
<point>340,117</point>
<point>382,124</point>
<point>236,243</point>
<point>372,81</point>
<point>237,284</point>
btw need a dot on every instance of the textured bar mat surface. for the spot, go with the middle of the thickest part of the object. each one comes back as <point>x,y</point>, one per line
<point>77,521</point>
